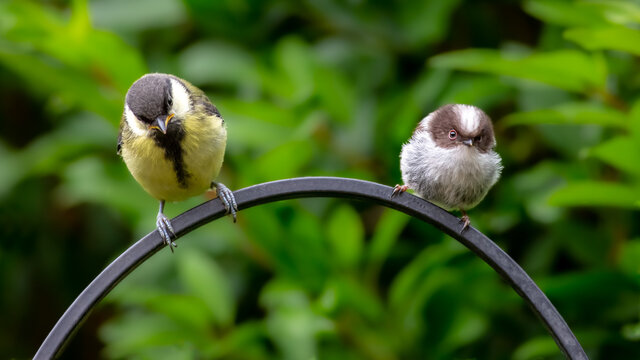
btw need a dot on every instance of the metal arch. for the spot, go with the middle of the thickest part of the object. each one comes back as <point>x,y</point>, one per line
<point>315,187</point>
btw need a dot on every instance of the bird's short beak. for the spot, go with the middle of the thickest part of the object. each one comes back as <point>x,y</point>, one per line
<point>468,142</point>
<point>162,122</point>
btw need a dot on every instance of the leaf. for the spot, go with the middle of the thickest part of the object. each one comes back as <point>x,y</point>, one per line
<point>566,69</point>
<point>425,22</point>
<point>245,341</point>
<point>573,141</point>
<point>606,38</point>
<point>467,326</point>
<point>250,132</point>
<point>585,245</point>
<point>295,64</point>
<point>305,251</point>
<point>209,62</point>
<point>125,16</point>
<point>580,291</point>
<point>536,348</point>
<point>484,91</point>
<point>91,179</point>
<point>532,188</point>
<point>577,113</point>
<point>284,161</point>
<point>386,234</point>
<point>634,120</point>
<point>408,311</point>
<point>260,111</point>
<point>186,310</point>
<point>72,87</point>
<point>182,351</point>
<point>109,61</point>
<point>631,332</point>
<point>72,140</point>
<point>8,179</point>
<point>52,56</point>
<point>621,152</point>
<point>337,94</point>
<point>596,193</point>
<point>349,294</point>
<point>133,333</point>
<point>291,79</point>
<point>622,12</point>
<point>629,260</point>
<point>410,107</point>
<point>568,13</point>
<point>291,323</point>
<point>203,277</point>
<point>431,258</point>
<point>346,235</point>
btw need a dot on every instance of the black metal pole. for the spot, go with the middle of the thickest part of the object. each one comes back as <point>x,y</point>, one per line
<point>316,187</point>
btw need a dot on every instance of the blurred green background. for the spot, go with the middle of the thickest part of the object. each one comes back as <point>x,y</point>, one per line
<point>324,88</point>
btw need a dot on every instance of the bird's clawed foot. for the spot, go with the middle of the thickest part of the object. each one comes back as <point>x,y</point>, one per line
<point>164,228</point>
<point>465,221</point>
<point>227,198</point>
<point>399,189</point>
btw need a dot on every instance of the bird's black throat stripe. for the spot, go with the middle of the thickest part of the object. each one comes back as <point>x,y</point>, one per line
<point>171,144</point>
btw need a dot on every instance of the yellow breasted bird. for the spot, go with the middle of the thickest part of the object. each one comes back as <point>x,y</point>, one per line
<point>172,139</point>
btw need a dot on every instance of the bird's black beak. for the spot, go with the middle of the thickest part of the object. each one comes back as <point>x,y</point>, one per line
<point>468,142</point>
<point>162,122</point>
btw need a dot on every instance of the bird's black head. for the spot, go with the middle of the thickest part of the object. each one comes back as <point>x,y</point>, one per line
<point>461,125</point>
<point>150,97</point>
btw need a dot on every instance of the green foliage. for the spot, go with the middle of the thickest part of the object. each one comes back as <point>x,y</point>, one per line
<point>205,280</point>
<point>569,70</point>
<point>324,88</point>
<point>578,113</point>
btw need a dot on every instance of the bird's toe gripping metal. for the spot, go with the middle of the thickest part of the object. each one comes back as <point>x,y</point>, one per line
<point>166,230</point>
<point>465,221</point>
<point>227,198</point>
<point>398,189</point>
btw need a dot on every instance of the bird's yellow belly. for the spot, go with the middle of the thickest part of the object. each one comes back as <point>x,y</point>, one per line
<point>156,173</point>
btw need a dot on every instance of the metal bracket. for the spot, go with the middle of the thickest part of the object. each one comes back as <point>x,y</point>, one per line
<point>316,187</point>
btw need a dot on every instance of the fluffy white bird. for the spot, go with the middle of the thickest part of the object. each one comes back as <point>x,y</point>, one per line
<point>450,158</point>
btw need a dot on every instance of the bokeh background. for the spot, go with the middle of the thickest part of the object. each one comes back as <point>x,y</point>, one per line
<point>322,87</point>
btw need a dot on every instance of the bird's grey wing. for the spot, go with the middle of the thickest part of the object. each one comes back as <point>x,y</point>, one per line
<point>210,108</point>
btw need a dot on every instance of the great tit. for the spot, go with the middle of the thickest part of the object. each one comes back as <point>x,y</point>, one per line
<point>172,139</point>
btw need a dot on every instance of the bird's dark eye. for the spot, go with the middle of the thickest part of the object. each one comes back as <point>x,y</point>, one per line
<point>477,139</point>
<point>453,134</point>
<point>170,101</point>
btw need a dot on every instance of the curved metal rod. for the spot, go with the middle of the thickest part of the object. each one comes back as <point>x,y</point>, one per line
<point>316,187</point>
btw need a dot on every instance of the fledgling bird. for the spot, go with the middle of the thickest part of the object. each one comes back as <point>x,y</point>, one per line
<point>450,159</point>
<point>173,139</point>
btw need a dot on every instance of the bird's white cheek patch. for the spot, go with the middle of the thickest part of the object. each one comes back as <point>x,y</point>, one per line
<point>134,124</point>
<point>181,103</point>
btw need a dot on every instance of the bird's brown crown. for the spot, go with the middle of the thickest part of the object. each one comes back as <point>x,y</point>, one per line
<point>453,125</point>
